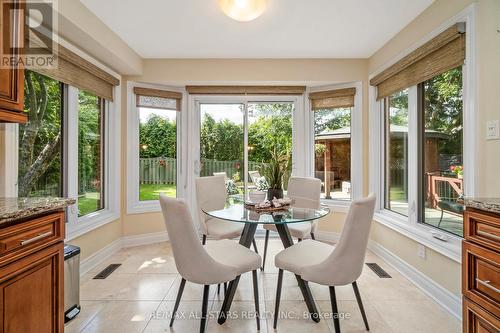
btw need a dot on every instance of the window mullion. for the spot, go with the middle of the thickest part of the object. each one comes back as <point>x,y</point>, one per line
<point>71,149</point>
<point>413,162</point>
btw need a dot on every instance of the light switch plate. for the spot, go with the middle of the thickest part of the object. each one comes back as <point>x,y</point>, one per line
<point>492,130</point>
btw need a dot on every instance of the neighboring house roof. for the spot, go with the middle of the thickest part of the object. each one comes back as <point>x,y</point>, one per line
<point>396,130</point>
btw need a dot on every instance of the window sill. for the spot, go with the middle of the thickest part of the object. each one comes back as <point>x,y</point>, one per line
<point>139,207</point>
<point>90,222</point>
<point>336,206</point>
<point>451,249</point>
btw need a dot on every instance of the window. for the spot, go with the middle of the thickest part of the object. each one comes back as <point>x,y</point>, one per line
<point>332,151</point>
<point>224,129</point>
<point>155,157</point>
<point>441,147</point>
<point>157,153</point>
<point>336,133</point>
<point>63,151</point>
<point>396,152</point>
<point>221,144</point>
<point>90,153</point>
<point>421,147</point>
<point>40,139</point>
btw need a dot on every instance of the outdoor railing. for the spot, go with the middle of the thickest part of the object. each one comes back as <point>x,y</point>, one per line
<point>439,187</point>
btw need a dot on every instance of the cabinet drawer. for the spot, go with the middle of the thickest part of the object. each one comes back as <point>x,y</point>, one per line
<point>22,239</point>
<point>477,320</point>
<point>482,228</point>
<point>481,276</point>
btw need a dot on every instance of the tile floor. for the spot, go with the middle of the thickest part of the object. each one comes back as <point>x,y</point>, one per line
<point>139,297</point>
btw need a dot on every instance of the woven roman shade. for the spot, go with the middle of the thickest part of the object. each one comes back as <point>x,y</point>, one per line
<point>338,98</point>
<point>245,90</point>
<point>76,71</point>
<point>444,52</point>
<point>158,99</point>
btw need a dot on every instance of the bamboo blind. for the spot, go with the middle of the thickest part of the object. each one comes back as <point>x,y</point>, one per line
<point>339,98</point>
<point>245,90</point>
<point>76,71</point>
<point>156,98</point>
<point>444,52</point>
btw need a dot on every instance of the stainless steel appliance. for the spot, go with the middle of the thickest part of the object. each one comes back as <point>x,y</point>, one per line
<point>71,282</point>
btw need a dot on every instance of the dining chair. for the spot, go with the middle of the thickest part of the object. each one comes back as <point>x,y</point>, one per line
<point>329,265</point>
<point>306,193</point>
<point>211,194</point>
<point>215,263</point>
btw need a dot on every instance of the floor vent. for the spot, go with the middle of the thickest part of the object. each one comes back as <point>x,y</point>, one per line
<point>106,272</point>
<point>378,270</point>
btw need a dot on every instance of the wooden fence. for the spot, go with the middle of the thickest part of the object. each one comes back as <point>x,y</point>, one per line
<point>162,170</point>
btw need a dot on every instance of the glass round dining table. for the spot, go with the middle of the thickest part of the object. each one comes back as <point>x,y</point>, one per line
<point>239,213</point>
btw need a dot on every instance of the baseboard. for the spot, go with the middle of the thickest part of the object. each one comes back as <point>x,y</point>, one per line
<point>144,239</point>
<point>449,301</point>
<point>99,256</point>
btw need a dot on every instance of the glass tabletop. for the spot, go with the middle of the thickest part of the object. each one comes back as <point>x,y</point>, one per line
<point>239,213</point>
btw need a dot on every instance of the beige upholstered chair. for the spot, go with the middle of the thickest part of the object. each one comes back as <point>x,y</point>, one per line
<point>330,265</point>
<point>306,193</point>
<point>217,262</point>
<point>211,194</point>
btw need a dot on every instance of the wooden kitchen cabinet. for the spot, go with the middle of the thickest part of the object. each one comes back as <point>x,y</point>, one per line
<point>11,78</point>
<point>481,272</point>
<point>32,275</point>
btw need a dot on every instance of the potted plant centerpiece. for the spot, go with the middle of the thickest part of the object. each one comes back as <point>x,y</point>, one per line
<point>260,193</point>
<point>276,172</point>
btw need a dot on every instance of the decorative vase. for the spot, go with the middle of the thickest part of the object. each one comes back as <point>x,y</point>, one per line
<point>274,193</point>
<point>460,176</point>
<point>257,196</point>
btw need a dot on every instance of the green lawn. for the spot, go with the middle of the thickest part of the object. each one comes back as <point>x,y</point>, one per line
<point>88,203</point>
<point>152,191</point>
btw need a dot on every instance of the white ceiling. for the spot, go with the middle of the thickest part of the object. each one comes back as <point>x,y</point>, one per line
<point>287,29</point>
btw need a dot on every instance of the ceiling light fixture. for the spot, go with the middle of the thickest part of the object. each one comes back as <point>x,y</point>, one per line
<point>243,10</point>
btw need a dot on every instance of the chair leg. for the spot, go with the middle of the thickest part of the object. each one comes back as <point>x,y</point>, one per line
<point>265,250</point>
<point>255,246</point>
<point>256,298</point>
<point>335,310</point>
<point>177,301</point>
<point>204,240</point>
<point>278,297</point>
<point>360,304</point>
<point>218,289</point>
<point>204,308</point>
<point>312,236</point>
<point>225,288</point>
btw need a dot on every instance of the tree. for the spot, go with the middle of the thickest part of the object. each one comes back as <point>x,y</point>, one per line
<point>158,137</point>
<point>40,138</point>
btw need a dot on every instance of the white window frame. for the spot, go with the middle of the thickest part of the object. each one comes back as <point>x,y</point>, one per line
<point>357,178</point>
<point>77,226</point>
<point>134,205</point>
<point>410,226</point>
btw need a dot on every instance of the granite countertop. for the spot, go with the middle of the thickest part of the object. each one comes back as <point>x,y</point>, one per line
<point>12,209</point>
<point>486,204</point>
